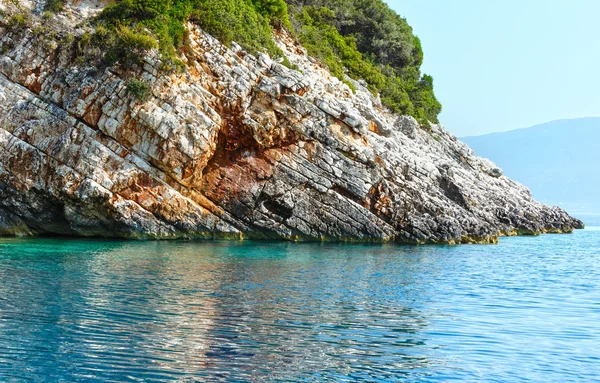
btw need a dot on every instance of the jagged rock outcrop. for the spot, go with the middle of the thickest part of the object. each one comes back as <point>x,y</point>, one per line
<point>237,146</point>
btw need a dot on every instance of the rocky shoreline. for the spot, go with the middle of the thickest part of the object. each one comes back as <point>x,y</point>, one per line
<point>235,147</point>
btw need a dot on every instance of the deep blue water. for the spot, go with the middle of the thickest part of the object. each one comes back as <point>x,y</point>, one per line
<point>526,310</point>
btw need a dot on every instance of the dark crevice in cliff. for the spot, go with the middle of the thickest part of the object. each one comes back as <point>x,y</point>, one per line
<point>453,192</point>
<point>276,207</point>
<point>344,192</point>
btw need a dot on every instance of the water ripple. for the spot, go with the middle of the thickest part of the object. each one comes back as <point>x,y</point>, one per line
<point>106,311</point>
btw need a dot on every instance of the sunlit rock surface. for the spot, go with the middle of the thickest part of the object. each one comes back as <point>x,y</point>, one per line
<point>237,146</point>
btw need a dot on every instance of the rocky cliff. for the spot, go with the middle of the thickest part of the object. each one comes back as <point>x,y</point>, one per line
<point>236,146</point>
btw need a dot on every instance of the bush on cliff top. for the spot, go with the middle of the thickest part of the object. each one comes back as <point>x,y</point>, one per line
<point>245,22</point>
<point>248,22</point>
<point>367,40</point>
<point>362,39</point>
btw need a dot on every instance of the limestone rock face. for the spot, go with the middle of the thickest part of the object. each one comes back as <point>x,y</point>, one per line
<point>237,146</point>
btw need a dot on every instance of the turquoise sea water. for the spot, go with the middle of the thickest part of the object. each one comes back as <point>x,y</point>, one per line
<point>526,310</point>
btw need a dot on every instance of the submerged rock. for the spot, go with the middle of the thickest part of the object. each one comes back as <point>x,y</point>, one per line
<point>237,146</point>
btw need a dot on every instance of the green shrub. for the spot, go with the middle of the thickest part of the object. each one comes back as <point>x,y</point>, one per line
<point>84,41</point>
<point>139,88</point>
<point>239,21</point>
<point>18,21</point>
<point>135,41</point>
<point>54,5</point>
<point>119,44</point>
<point>276,11</point>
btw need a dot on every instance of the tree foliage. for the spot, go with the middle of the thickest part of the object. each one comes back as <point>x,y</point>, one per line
<point>276,11</point>
<point>365,39</point>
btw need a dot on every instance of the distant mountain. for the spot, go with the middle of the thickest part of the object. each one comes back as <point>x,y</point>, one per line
<point>559,161</point>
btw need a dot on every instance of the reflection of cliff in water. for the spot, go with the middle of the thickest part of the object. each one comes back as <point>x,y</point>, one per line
<point>293,309</point>
<point>239,311</point>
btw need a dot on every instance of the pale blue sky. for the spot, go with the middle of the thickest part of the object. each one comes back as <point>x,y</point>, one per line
<point>508,64</point>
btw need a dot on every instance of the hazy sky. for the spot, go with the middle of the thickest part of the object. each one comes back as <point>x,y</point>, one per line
<point>508,64</point>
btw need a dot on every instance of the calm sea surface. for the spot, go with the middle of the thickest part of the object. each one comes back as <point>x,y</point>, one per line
<point>526,310</point>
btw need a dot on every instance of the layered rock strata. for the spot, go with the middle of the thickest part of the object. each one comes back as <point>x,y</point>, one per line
<point>237,146</point>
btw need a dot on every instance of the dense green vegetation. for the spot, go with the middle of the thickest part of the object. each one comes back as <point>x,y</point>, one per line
<point>368,41</point>
<point>361,39</point>
<point>247,22</point>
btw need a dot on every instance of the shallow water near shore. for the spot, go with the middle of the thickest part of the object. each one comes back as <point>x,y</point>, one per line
<point>526,310</point>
